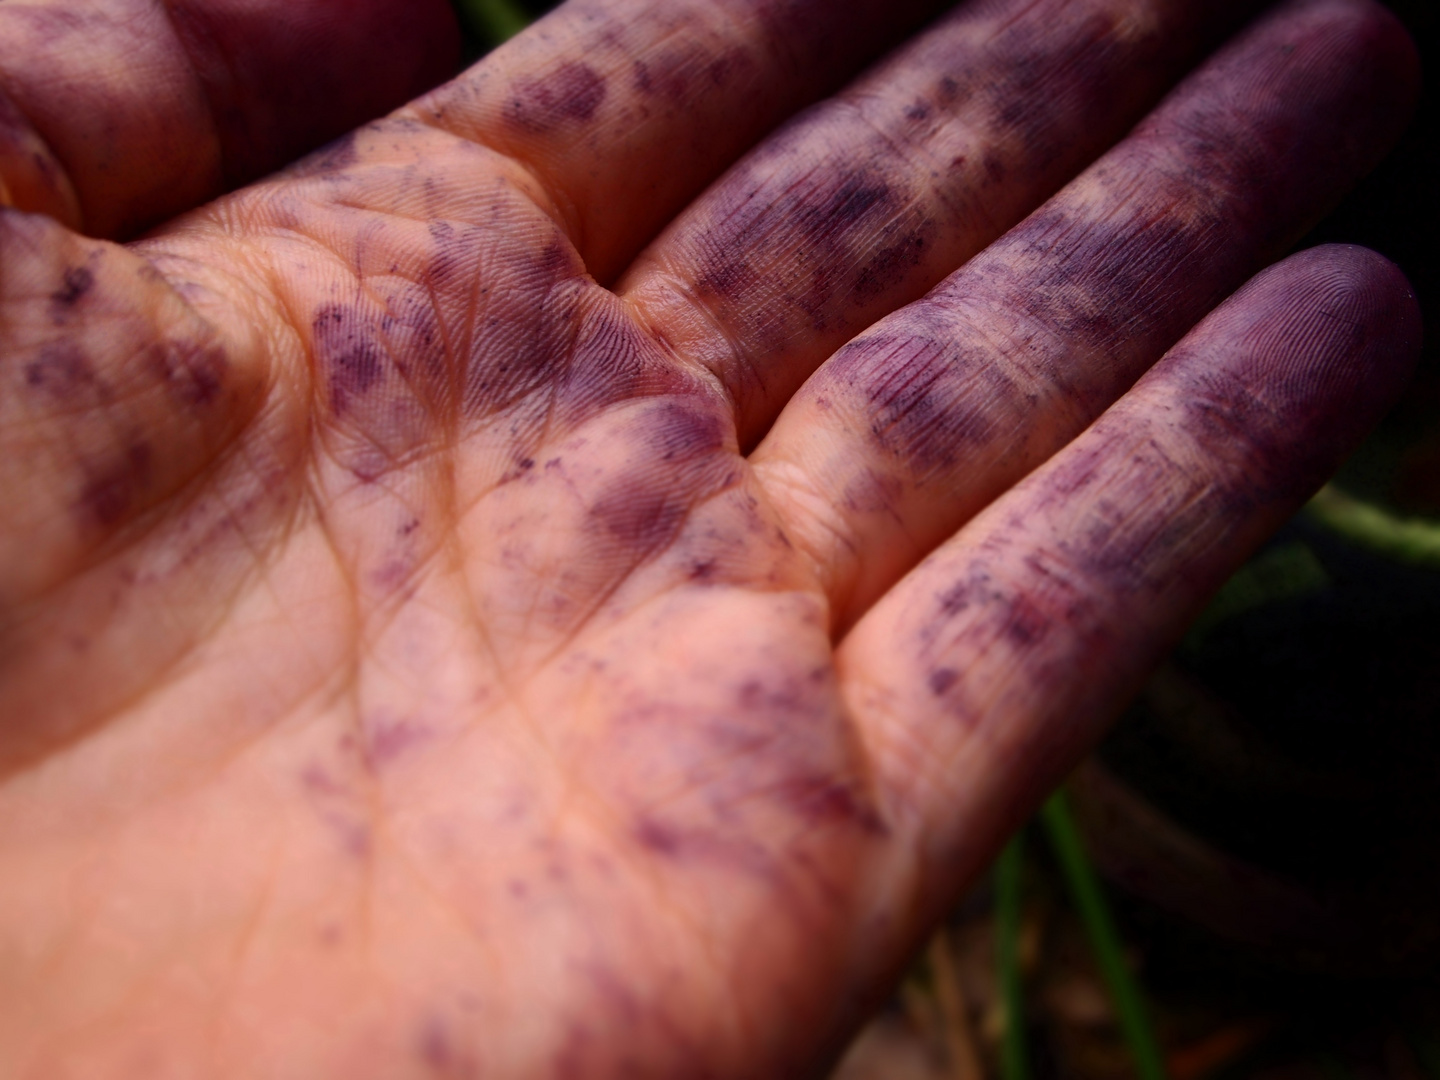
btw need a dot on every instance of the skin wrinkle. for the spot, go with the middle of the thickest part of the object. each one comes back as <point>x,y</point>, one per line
<point>246,937</point>
<point>561,210</point>
<point>619,581</point>
<point>905,149</point>
<point>319,244</point>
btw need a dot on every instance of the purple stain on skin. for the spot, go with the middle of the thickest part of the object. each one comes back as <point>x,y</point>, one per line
<point>571,93</point>
<point>388,739</point>
<point>78,281</point>
<point>825,218</point>
<point>797,781</point>
<point>441,1056</point>
<point>681,433</point>
<point>317,781</point>
<point>823,799</point>
<point>931,393</point>
<point>194,374</point>
<point>658,838</point>
<point>890,264</point>
<point>639,515</point>
<point>640,77</point>
<point>918,111</point>
<point>725,276</point>
<point>347,352</point>
<point>513,357</point>
<point>849,235</point>
<point>859,196</point>
<point>110,494</point>
<point>333,804</point>
<point>644,512</point>
<point>612,360</point>
<point>707,843</point>
<point>62,369</point>
<point>1027,625</point>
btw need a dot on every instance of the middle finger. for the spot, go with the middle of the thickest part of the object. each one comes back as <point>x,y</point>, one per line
<point>927,416</point>
<point>868,200</point>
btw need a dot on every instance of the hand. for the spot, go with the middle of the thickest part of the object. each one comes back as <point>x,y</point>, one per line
<point>445,634</point>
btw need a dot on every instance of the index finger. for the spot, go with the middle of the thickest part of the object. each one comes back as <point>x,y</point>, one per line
<point>625,109</point>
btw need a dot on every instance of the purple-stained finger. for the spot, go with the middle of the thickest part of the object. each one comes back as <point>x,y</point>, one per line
<point>872,197</point>
<point>626,109</point>
<point>918,423</point>
<point>137,451</point>
<point>115,114</point>
<point>981,678</point>
<point>114,394</point>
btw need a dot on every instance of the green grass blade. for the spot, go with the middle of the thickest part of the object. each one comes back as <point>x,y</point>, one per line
<point>1426,1049</point>
<point>1014,1059</point>
<point>1331,1067</point>
<point>492,21</point>
<point>1085,892</point>
<point>1411,540</point>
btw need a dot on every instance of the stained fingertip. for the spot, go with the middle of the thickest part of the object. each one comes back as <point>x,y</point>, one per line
<point>994,665</point>
<point>115,392</point>
<point>1326,338</point>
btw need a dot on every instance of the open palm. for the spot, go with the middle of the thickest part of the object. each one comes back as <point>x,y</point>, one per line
<point>439,634</point>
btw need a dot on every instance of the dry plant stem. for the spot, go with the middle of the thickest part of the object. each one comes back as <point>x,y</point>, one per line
<point>962,1055</point>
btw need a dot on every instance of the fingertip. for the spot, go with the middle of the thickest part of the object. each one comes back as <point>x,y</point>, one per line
<point>1291,372</point>
<point>1366,30</point>
<point>1375,37</point>
<point>1392,46</point>
<point>1338,315</point>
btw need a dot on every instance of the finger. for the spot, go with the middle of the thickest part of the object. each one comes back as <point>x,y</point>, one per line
<point>873,197</point>
<point>913,427</point>
<point>625,109</point>
<point>120,403</point>
<point>115,114</point>
<point>114,393</point>
<point>980,679</point>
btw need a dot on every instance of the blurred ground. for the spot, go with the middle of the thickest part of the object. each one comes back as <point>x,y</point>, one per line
<point>1216,1013</point>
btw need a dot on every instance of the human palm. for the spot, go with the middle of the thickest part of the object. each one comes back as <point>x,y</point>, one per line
<point>442,637</point>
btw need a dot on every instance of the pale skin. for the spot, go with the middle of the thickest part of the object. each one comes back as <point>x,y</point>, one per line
<point>509,597</point>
